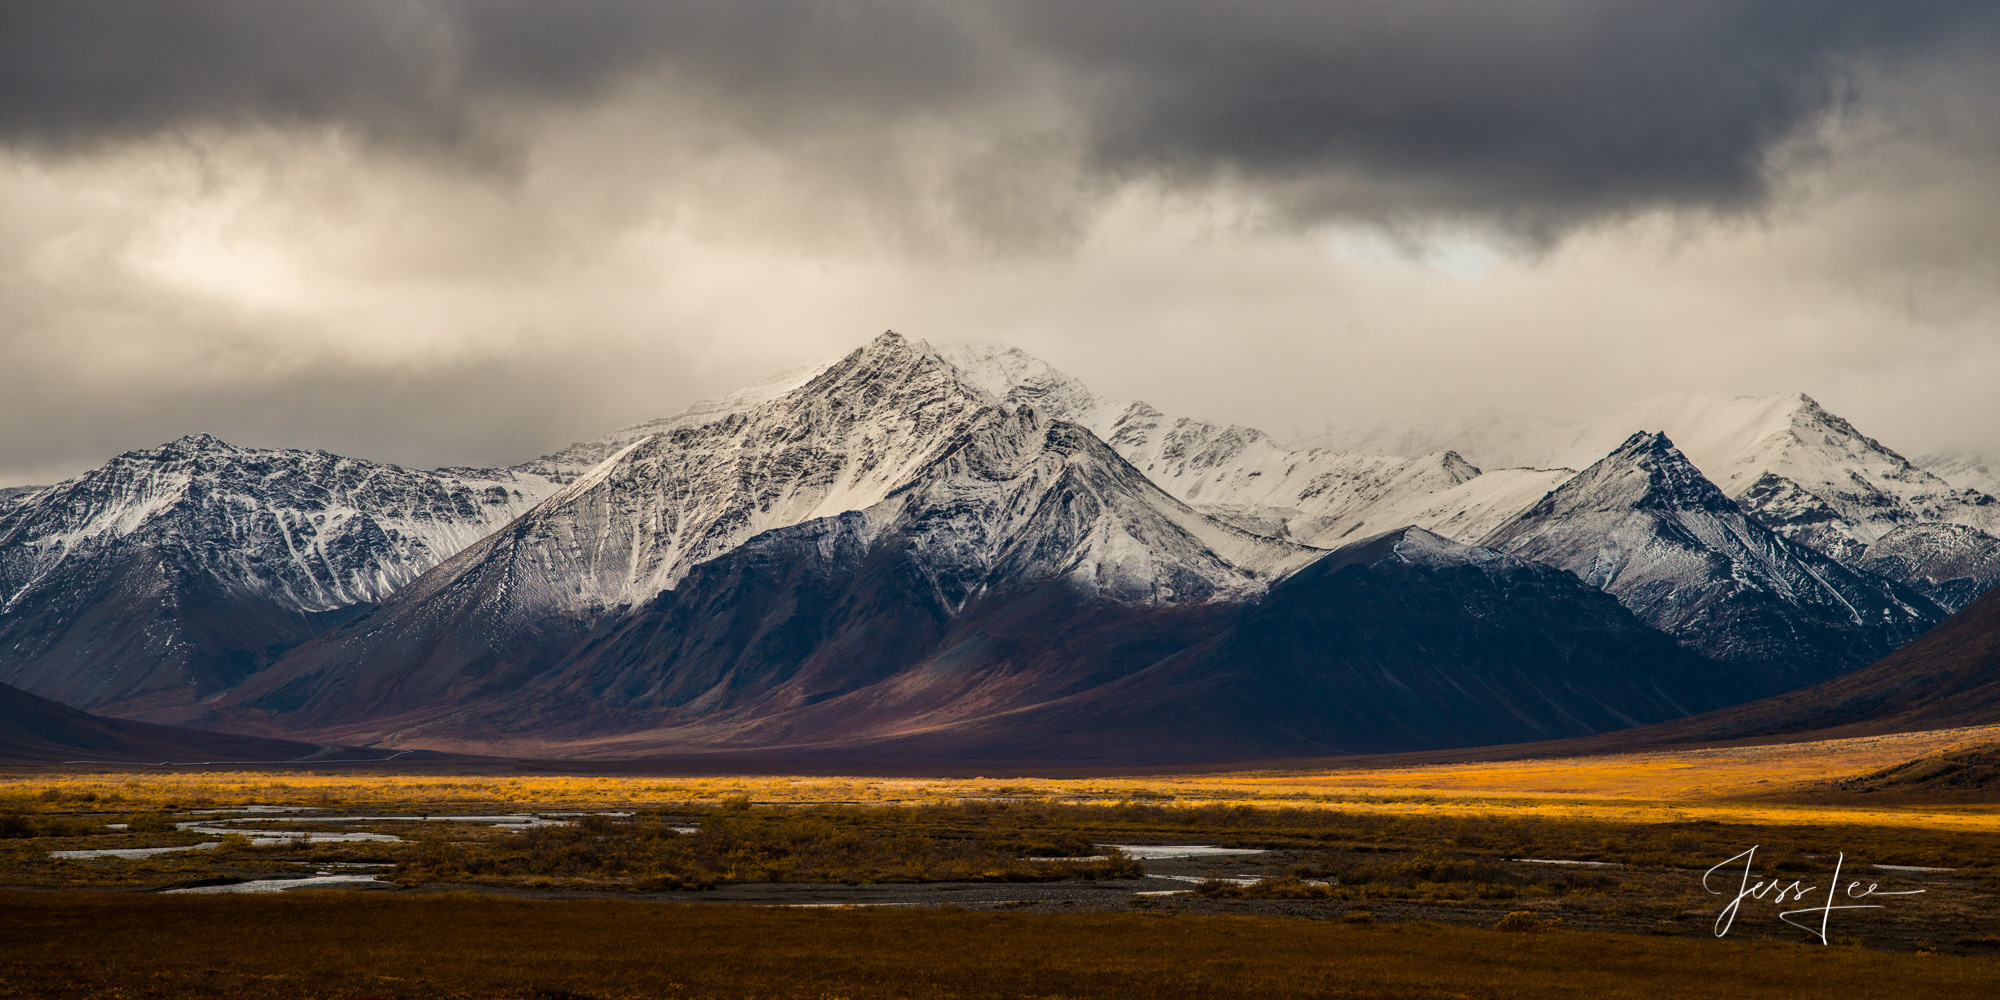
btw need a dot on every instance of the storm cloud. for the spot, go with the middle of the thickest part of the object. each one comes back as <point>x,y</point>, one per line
<point>1535,114</point>
<point>471,231</point>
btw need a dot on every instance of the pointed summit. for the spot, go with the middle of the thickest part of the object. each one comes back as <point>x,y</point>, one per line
<point>1808,474</point>
<point>1646,472</point>
<point>1646,526</point>
<point>191,444</point>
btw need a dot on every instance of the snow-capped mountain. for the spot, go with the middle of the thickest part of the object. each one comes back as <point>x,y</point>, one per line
<point>967,548</point>
<point>1313,496</point>
<point>170,574</point>
<point>1805,473</point>
<point>1799,470</point>
<point>1811,476</point>
<point>1646,526</point>
<point>888,453</point>
<point>1017,378</point>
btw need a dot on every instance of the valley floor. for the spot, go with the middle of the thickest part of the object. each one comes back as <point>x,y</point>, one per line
<point>1325,880</point>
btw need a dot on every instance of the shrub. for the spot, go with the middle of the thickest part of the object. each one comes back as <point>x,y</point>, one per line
<point>18,825</point>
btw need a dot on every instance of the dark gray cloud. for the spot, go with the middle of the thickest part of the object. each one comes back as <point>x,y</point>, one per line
<point>471,231</point>
<point>1558,108</point>
<point>435,73</point>
<point>1535,113</point>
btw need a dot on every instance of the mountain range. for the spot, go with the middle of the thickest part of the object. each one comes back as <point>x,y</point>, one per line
<point>967,553</point>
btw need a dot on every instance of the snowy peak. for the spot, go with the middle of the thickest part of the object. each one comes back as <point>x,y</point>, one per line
<point>194,443</point>
<point>1237,474</point>
<point>893,426</point>
<point>1646,472</point>
<point>1789,463</point>
<point>1644,525</point>
<point>1030,499</point>
<point>842,440</point>
<point>1803,471</point>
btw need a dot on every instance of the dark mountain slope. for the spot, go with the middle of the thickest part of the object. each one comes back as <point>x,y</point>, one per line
<point>37,729</point>
<point>1404,642</point>
<point>147,632</point>
<point>1948,677</point>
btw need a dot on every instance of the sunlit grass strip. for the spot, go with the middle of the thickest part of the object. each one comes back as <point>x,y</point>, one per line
<point>187,791</point>
<point>1725,784</point>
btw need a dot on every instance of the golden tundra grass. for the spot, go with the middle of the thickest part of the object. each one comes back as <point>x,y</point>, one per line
<point>325,945</point>
<point>1734,785</point>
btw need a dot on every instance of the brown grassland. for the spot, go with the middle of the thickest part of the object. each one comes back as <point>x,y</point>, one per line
<point>326,945</point>
<point>1368,875</point>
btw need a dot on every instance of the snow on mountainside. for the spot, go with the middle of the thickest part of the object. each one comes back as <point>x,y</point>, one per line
<point>841,441</point>
<point>1017,378</point>
<point>312,530</point>
<point>579,458</point>
<point>844,439</point>
<point>169,574</point>
<point>1799,470</point>
<point>888,459</point>
<point>1645,525</point>
<point>1964,469</point>
<point>1241,475</point>
<point>1949,563</point>
<point>1804,472</point>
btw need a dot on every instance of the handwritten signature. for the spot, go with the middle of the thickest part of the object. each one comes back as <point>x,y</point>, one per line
<point>1778,892</point>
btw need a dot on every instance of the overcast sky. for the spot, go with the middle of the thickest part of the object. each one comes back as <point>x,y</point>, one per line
<point>472,232</point>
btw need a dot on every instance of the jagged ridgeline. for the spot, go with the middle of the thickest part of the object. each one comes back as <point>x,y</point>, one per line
<point>968,553</point>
